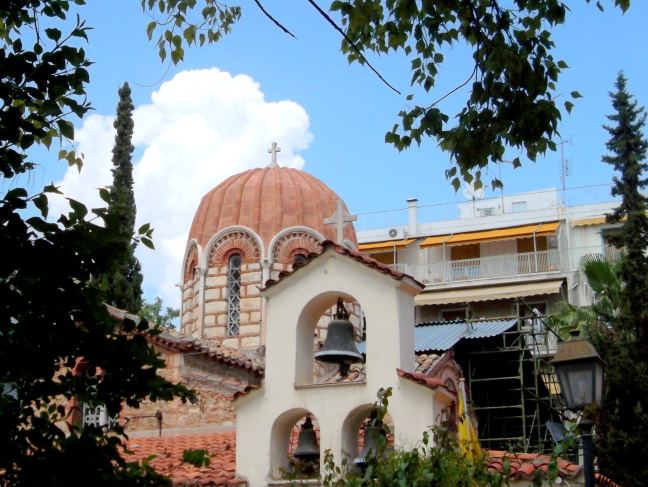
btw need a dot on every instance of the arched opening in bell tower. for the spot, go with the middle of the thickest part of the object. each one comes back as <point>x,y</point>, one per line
<point>312,335</point>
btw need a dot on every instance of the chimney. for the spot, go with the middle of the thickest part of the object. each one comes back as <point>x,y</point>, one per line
<point>413,216</point>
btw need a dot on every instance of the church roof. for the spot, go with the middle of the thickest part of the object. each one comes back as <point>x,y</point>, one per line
<point>353,254</point>
<point>179,342</point>
<point>168,458</point>
<point>268,200</point>
<point>222,471</point>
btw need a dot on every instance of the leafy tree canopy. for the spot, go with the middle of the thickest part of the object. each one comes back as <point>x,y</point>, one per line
<point>514,98</point>
<point>153,313</point>
<point>58,343</point>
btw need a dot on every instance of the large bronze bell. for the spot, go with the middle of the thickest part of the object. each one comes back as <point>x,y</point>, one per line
<point>307,447</point>
<point>370,447</point>
<point>339,347</point>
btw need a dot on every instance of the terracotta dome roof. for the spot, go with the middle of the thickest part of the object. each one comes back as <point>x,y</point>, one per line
<point>268,200</point>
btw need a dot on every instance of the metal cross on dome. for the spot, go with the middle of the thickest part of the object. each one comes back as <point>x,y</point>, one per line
<point>273,150</point>
<point>340,219</point>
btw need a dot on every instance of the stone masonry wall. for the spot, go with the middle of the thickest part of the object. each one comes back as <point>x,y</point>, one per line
<point>215,385</point>
<point>216,292</point>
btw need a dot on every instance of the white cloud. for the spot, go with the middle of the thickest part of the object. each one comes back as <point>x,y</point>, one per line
<point>200,128</point>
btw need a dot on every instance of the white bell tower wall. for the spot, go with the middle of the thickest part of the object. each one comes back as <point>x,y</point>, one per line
<point>294,305</point>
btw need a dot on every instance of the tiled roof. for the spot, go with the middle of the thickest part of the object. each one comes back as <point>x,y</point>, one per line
<point>221,472</point>
<point>267,200</point>
<point>168,456</point>
<point>357,373</point>
<point>426,363</point>
<point>181,343</point>
<point>524,465</point>
<point>353,254</point>
<point>420,378</point>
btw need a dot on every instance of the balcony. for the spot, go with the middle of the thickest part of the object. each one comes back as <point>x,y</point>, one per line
<point>504,265</point>
<point>484,268</point>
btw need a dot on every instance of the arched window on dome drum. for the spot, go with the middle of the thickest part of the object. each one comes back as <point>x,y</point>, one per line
<point>299,259</point>
<point>234,294</point>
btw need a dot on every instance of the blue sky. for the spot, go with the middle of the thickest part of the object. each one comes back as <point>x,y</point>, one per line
<point>349,110</point>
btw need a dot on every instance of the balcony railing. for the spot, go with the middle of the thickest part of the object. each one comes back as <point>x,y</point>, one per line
<point>504,265</point>
<point>485,267</point>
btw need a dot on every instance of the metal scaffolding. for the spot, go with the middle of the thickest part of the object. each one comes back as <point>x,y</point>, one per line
<point>513,388</point>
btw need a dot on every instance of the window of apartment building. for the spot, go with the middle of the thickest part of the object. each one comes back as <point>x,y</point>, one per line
<point>525,245</point>
<point>464,252</point>
<point>518,206</point>
<point>384,257</point>
<point>453,314</point>
<point>487,211</point>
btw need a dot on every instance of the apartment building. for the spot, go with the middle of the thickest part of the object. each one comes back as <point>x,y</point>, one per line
<point>483,257</point>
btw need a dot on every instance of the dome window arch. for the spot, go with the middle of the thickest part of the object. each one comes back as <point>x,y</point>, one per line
<point>234,263</point>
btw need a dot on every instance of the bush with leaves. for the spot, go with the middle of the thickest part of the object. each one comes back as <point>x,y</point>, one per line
<point>437,460</point>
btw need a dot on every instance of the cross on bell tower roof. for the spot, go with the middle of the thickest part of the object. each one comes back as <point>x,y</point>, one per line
<point>273,150</point>
<point>340,219</point>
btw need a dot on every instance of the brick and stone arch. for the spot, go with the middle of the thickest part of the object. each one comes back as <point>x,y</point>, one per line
<point>190,291</point>
<point>292,243</point>
<point>215,328</point>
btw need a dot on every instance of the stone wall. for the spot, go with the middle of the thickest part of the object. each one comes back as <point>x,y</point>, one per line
<point>214,383</point>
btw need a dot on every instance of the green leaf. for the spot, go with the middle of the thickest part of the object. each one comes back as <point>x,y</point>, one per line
<point>150,28</point>
<point>568,106</point>
<point>148,242</point>
<point>104,194</point>
<point>53,34</point>
<point>40,202</point>
<point>66,128</point>
<point>144,228</point>
<point>576,94</point>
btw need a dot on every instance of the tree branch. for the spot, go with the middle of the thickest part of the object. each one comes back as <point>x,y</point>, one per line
<point>273,19</point>
<point>336,27</point>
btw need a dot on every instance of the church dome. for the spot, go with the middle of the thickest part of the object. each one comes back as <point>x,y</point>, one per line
<point>268,200</point>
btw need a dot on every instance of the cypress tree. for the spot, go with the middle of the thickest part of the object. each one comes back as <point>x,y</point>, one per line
<point>124,286</point>
<point>622,425</point>
<point>628,147</point>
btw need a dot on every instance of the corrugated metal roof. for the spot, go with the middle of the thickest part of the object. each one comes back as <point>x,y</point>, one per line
<point>443,335</point>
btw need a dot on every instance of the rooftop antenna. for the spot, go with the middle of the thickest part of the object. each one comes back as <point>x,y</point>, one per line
<point>565,168</point>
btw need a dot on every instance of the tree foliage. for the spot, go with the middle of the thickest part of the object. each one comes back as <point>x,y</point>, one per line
<point>437,460</point>
<point>57,340</point>
<point>154,314</point>
<point>603,279</point>
<point>623,427</point>
<point>514,97</point>
<point>125,285</point>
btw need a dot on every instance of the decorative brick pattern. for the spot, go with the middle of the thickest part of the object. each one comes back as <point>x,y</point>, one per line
<point>190,288</point>
<point>294,243</point>
<point>234,241</point>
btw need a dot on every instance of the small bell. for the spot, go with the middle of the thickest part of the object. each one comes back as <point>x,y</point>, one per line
<point>307,447</point>
<point>370,447</point>
<point>339,347</point>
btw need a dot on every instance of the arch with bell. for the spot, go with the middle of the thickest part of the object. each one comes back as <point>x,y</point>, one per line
<point>295,303</point>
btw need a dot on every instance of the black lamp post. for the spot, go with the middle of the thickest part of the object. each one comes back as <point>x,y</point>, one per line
<point>580,374</point>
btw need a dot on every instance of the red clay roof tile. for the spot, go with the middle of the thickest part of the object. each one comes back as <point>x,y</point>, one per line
<point>267,200</point>
<point>222,471</point>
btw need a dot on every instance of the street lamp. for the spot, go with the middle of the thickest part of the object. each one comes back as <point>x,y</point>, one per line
<point>580,374</point>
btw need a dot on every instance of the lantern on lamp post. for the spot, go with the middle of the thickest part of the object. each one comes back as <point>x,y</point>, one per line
<point>579,369</point>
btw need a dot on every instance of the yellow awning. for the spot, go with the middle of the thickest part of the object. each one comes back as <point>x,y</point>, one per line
<point>385,246</point>
<point>540,229</point>
<point>488,293</point>
<point>588,221</point>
